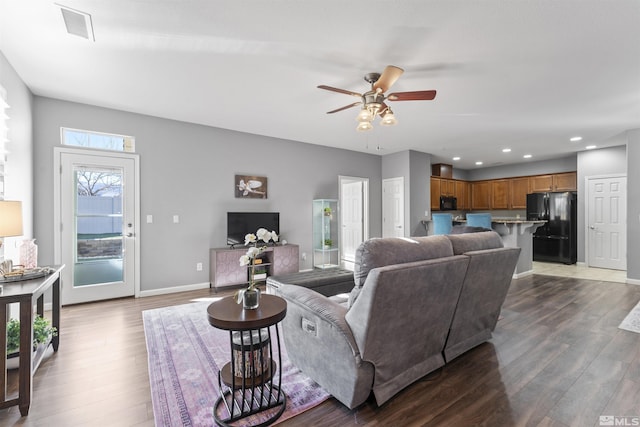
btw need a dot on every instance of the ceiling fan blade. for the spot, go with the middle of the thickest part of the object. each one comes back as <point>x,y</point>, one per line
<point>388,77</point>
<point>418,95</point>
<point>344,108</point>
<point>335,89</point>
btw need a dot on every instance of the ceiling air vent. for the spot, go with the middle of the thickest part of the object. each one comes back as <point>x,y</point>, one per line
<point>77,23</point>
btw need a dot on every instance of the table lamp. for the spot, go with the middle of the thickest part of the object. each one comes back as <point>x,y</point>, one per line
<point>10,218</point>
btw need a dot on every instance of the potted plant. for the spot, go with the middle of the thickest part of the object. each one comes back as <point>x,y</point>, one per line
<point>42,334</point>
<point>328,243</point>
<point>327,211</point>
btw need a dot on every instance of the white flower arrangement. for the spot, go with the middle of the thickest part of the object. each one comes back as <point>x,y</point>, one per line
<point>254,251</point>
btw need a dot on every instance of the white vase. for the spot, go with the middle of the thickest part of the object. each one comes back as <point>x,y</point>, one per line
<point>29,253</point>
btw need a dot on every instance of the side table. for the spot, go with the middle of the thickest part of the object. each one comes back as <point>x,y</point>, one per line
<point>247,383</point>
<point>27,293</point>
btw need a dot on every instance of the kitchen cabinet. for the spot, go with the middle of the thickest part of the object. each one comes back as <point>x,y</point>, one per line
<point>450,187</point>
<point>500,194</point>
<point>481,195</point>
<point>553,182</point>
<point>518,190</point>
<point>435,194</point>
<point>565,181</point>
<point>503,193</point>
<point>462,193</point>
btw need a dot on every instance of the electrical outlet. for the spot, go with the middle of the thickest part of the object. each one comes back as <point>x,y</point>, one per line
<point>199,266</point>
<point>304,256</point>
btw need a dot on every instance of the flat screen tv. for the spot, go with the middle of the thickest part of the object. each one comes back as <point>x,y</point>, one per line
<point>240,224</point>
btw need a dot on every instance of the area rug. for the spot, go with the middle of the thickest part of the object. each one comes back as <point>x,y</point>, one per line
<point>185,355</point>
<point>632,321</point>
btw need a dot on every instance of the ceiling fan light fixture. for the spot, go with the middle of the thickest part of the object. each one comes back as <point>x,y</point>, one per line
<point>364,126</point>
<point>364,115</point>
<point>389,119</point>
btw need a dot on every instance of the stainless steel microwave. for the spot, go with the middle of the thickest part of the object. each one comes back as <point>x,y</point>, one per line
<point>448,203</point>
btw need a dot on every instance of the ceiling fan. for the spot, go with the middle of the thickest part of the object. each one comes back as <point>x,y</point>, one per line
<point>373,101</point>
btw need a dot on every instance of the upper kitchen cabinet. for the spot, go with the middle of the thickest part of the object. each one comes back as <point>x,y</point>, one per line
<point>481,195</point>
<point>500,194</point>
<point>518,190</point>
<point>553,182</point>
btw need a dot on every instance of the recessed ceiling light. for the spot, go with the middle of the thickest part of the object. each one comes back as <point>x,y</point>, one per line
<point>590,147</point>
<point>576,139</point>
<point>527,156</point>
<point>478,163</point>
<point>506,150</point>
<point>456,158</point>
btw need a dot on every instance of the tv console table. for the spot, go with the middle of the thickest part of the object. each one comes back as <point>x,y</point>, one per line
<point>225,268</point>
<point>27,293</point>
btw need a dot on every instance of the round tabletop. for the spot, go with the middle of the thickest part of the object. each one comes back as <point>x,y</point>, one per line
<point>227,314</point>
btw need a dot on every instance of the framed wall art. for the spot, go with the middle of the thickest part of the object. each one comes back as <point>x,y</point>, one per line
<point>250,187</point>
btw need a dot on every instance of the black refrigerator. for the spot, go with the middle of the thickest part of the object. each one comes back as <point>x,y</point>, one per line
<point>556,240</point>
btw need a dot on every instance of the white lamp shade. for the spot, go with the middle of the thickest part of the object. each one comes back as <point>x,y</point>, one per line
<point>10,218</point>
<point>364,115</point>
<point>364,126</point>
<point>388,119</point>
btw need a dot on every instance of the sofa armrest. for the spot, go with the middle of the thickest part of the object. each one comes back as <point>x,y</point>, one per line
<point>316,305</point>
<point>320,343</point>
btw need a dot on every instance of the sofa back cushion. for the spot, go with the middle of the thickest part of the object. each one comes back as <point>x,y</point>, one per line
<point>380,252</point>
<point>463,243</point>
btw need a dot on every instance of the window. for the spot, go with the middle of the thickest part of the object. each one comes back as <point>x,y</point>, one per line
<point>97,140</point>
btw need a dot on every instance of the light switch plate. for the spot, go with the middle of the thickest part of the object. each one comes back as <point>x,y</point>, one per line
<point>176,219</point>
<point>149,219</point>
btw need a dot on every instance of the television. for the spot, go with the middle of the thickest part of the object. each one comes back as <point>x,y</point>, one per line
<point>240,224</point>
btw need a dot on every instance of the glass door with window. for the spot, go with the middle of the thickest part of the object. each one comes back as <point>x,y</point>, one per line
<point>97,212</point>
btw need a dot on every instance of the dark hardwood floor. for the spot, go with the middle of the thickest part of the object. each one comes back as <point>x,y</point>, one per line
<point>556,358</point>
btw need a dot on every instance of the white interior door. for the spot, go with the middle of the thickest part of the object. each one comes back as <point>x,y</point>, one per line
<point>353,217</point>
<point>393,207</point>
<point>98,220</point>
<point>607,222</point>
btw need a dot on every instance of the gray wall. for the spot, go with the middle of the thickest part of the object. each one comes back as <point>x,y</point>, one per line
<point>633,205</point>
<point>188,170</point>
<point>420,172</point>
<point>18,180</point>
<point>415,168</point>
<point>607,161</point>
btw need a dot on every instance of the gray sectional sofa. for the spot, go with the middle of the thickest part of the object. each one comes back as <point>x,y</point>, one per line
<point>417,303</point>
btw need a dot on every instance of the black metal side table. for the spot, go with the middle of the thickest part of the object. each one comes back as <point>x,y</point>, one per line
<point>248,384</point>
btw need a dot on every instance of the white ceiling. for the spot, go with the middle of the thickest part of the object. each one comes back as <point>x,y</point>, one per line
<point>526,75</point>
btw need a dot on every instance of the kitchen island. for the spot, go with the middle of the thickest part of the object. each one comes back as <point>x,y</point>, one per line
<point>518,233</point>
<point>515,232</point>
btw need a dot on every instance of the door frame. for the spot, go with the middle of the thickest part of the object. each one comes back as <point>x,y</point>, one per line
<point>587,206</point>
<point>343,179</point>
<point>57,202</point>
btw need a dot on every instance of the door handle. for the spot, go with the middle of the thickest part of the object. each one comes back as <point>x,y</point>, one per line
<point>129,234</point>
<point>592,227</point>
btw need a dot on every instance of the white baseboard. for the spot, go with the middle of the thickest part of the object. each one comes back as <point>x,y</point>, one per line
<point>173,290</point>
<point>523,274</point>
<point>632,281</point>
